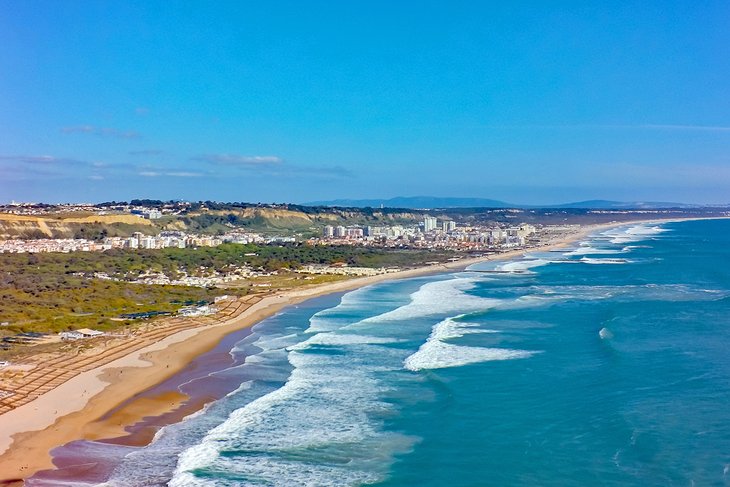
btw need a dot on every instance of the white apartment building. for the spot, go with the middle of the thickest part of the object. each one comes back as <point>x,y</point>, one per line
<point>429,223</point>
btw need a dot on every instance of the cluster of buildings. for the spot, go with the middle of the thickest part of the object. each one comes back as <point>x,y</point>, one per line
<point>148,213</point>
<point>138,240</point>
<point>18,246</point>
<point>432,233</point>
<point>203,278</point>
<point>164,240</point>
<point>41,209</point>
<point>195,311</point>
<point>344,270</point>
<point>428,226</point>
<point>432,224</point>
<point>214,278</point>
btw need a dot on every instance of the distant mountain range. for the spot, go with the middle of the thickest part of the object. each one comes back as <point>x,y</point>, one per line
<point>608,204</point>
<point>416,202</point>
<point>431,202</point>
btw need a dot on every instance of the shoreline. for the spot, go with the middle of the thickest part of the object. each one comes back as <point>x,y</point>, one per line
<point>102,402</point>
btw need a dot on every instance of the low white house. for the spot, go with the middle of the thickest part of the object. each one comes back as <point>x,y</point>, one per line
<point>80,333</point>
<point>192,311</point>
<point>89,333</point>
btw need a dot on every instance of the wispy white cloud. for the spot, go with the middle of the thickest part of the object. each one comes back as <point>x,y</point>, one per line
<point>82,129</point>
<point>146,152</point>
<point>21,167</point>
<point>173,174</point>
<point>25,167</point>
<point>41,159</point>
<point>273,166</point>
<point>101,131</point>
<point>239,160</point>
<point>22,173</point>
<point>184,174</point>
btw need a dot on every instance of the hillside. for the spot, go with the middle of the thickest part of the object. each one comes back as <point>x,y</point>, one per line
<point>278,220</point>
<point>284,220</point>
<point>61,226</point>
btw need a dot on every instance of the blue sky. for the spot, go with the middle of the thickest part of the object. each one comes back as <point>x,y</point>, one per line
<point>529,102</point>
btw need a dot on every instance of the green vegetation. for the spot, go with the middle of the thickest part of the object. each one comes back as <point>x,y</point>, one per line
<point>293,256</point>
<point>281,281</point>
<point>72,303</point>
<point>100,231</point>
<point>129,264</point>
<point>46,292</point>
<point>57,291</point>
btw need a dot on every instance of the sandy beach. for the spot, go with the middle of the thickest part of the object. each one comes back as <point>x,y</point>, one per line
<point>73,410</point>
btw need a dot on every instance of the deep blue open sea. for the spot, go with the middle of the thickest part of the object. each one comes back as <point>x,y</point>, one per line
<point>604,364</point>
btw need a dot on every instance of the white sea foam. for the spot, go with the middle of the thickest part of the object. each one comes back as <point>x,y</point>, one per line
<point>633,233</point>
<point>629,248</point>
<point>318,324</point>
<point>452,328</point>
<point>317,429</point>
<point>524,265</point>
<point>589,260</point>
<point>651,292</point>
<point>313,431</point>
<point>436,353</point>
<point>439,355</point>
<point>440,297</point>
<point>543,298</point>
<point>590,250</point>
<point>342,339</point>
<point>353,302</point>
<point>605,334</point>
<point>266,342</point>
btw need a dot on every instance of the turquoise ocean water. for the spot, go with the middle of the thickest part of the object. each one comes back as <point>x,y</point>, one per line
<point>604,364</point>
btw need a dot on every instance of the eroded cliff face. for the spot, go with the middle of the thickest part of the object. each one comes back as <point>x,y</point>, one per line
<point>22,226</point>
<point>280,217</point>
<point>255,218</point>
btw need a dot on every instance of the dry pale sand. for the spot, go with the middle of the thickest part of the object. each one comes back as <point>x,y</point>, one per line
<point>72,410</point>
